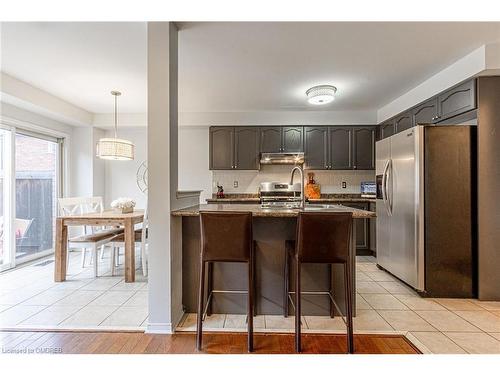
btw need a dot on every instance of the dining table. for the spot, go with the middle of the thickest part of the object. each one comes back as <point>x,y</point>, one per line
<point>107,218</point>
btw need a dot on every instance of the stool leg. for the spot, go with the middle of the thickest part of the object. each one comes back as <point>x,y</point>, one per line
<point>286,290</point>
<point>254,283</point>
<point>210,285</point>
<point>298,346</point>
<point>332,306</point>
<point>199,322</point>
<point>250,307</point>
<point>348,299</point>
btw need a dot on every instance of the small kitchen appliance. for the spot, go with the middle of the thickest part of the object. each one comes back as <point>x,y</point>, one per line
<point>369,189</point>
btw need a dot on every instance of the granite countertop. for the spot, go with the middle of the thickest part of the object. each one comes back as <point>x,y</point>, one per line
<point>233,200</point>
<point>257,211</point>
<point>353,200</point>
<point>325,198</point>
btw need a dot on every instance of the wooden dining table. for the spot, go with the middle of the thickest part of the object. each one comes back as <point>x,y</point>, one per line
<point>104,218</point>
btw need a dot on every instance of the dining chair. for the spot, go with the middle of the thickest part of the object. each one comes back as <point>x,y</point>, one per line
<point>141,237</point>
<point>93,238</point>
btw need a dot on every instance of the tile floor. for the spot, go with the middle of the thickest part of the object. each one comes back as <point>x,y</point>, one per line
<point>29,298</point>
<point>386,305</point>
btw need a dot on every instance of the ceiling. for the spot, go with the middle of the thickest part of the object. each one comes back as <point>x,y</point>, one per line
<point>80,62</point>
<point>239,67</point>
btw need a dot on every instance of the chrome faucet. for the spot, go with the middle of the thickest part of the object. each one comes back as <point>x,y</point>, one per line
<point>302,196</point>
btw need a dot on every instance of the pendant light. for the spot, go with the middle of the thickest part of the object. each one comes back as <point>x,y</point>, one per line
<point>115,148</point>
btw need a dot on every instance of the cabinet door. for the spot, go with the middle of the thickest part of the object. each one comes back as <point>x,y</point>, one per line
<point>457,100</point>
<point>316,147</point>
<point>221,147</point>
<point>403,122</point>
<point>387,129</point>
<point>362,228</point>
<point>293,139</point>
<point>341,147</point>
<point>364,148</point>
<point>425,113</point>
<point>270,139</point>
<point>246,148</point>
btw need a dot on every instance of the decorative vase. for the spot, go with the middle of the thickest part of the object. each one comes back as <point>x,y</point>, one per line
<point>127,210</point>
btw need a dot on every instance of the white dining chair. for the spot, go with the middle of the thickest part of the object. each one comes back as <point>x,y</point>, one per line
<point>92,238</point>
<point>141,238</point>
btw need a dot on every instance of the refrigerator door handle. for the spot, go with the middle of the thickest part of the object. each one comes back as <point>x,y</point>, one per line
<point>384,187</point>
<point>389,196</point>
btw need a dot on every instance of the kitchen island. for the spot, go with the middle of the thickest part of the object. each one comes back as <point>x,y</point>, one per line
<point>271,228</point>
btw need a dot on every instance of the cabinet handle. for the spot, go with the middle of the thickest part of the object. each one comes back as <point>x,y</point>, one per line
<point>354,167</point>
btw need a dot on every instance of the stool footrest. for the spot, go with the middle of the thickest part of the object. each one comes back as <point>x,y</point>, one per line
<point>320,293</point>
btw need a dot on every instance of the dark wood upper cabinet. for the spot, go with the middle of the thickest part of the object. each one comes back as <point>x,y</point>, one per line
<point>341,147</point>
<point>364,148</point>
<point>221,147</point>
<point>457,100</point>
<point>425,113</point>
<point>403,122</point>
<point>387,129</point>
<point>316,147</point>
<point>246,147</point>
<point>293,139</point>
<point>270,139</point>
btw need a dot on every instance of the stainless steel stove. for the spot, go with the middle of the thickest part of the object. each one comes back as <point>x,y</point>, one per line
<point>280,195</point>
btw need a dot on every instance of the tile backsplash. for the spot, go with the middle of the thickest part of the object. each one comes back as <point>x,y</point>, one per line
<point>249,181</point>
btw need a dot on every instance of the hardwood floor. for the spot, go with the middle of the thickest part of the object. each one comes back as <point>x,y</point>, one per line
<point>184,343</point>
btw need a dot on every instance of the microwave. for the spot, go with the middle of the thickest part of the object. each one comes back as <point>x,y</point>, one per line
<point>368,189</point>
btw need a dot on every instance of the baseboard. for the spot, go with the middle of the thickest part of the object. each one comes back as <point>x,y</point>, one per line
<point>159,328</point>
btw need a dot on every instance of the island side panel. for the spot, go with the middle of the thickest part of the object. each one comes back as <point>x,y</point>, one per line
<point>270,234</point>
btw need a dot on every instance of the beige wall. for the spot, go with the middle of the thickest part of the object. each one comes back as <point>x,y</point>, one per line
<point>330,181</point>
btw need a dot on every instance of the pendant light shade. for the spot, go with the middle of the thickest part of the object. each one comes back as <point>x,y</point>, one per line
<point>115,148</point>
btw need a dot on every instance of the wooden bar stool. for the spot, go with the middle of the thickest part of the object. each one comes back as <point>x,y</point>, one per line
<point>225,237</point>
<point>322,237</point>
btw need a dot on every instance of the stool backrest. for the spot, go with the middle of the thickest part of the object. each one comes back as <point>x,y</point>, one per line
<point>226,236</point>
<point>323,237</point>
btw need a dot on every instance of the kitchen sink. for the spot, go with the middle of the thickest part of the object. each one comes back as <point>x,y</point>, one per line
<point>318,207</point>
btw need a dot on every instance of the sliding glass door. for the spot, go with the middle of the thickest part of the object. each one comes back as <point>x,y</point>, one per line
<point>6,248</point>
<point>30,183</point>
<point>37,189</point>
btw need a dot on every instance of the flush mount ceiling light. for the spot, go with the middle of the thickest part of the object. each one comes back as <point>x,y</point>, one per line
<point>115,148</point>
<point>322,94</point>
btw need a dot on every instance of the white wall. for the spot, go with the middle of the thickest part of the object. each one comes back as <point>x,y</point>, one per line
<point>120,176</point>
<point>368,117</point>
<point>193,160</point>
<point>81,163</point>
<point>98,165</point>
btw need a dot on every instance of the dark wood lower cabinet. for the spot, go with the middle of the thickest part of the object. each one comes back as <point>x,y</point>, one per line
<point>362,230</point>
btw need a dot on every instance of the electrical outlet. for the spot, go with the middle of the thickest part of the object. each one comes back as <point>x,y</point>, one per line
<point>235,184</point>
<point>344,185</point>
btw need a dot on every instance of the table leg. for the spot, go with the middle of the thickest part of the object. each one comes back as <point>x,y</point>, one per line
<point>129,251</point>
<point>61,251</point>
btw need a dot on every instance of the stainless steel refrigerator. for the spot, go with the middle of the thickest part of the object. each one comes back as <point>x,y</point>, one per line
<point>426,209</point>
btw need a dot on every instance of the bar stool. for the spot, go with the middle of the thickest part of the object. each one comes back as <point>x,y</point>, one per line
<point>225,237</point>
<point>322,237</point>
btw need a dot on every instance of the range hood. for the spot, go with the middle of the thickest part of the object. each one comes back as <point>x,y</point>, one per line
<point>291,158</point>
